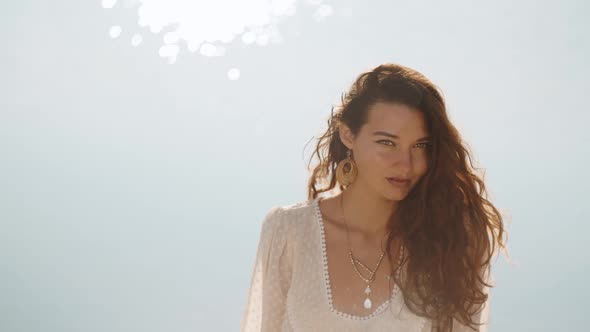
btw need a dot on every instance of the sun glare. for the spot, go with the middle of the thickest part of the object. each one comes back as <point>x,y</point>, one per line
<point>206,26</point>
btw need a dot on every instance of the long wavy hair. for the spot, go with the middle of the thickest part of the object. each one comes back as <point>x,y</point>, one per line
<point>448,227</point>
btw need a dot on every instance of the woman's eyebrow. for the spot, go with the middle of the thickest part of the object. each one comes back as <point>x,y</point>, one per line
<point>383,133</point>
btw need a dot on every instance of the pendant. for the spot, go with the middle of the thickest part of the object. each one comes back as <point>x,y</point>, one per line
<point>368,304</point>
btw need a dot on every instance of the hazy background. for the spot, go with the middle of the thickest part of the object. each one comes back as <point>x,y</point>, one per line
<point>133,179</point>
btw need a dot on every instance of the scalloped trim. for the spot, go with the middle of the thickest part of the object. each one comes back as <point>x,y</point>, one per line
<point>327,287</point>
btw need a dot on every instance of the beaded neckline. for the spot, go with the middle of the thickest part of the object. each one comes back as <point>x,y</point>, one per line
<point>327,287</point>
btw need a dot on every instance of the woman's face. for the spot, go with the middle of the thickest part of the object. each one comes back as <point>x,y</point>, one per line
<point>393,143</point>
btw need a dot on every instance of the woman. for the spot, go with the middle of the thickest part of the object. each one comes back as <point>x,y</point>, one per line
<point>405,244</point>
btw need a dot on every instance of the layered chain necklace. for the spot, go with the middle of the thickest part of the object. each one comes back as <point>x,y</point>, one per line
<point>368,304</point>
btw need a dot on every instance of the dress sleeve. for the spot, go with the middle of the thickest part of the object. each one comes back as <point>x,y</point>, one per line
<point>270,277</point>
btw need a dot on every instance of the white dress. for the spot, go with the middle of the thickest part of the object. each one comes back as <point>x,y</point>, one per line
<point>290,288</point>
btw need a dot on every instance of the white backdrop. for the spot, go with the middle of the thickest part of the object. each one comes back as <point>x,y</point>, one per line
<point>133,177</point>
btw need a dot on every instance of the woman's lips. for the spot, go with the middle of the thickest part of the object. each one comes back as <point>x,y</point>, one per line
<point>398,182</point>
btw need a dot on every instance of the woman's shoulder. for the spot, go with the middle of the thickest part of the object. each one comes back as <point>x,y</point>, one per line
<point>289,216</point>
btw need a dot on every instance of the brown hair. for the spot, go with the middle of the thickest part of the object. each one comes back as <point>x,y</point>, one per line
<point>447,226</point>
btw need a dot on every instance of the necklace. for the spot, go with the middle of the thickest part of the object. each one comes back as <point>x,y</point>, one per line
<point>368,304</point>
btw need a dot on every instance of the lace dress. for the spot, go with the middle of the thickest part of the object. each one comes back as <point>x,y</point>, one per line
<point>290,284</point>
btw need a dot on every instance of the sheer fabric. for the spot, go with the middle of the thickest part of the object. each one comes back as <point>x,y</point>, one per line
<point>289,285</point>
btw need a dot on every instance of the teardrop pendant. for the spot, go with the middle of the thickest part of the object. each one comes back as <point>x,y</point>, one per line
<point>368,304</point>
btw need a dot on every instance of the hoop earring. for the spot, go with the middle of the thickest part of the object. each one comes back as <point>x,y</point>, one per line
<point>346,171</point>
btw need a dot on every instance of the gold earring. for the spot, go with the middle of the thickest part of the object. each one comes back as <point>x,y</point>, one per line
<point>346,170</point>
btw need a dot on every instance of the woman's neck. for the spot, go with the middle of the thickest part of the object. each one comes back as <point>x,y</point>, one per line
<point>364,213</point>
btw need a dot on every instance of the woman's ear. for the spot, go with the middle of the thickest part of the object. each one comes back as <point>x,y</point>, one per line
<point>346,135</point>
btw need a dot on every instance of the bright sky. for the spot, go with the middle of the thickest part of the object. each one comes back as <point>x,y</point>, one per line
<point>206,26</point>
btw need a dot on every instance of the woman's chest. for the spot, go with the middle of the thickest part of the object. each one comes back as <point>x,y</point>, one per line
<point>311,299</point>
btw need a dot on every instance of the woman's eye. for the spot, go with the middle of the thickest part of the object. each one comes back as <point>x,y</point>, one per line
<point>423,145</point>
<point>386,141</point>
